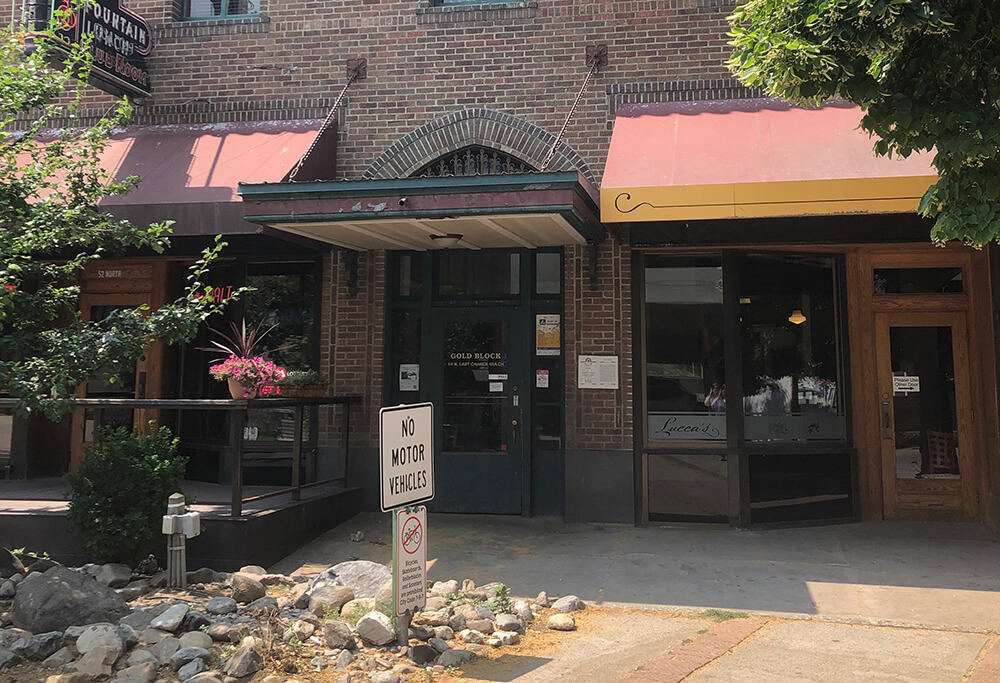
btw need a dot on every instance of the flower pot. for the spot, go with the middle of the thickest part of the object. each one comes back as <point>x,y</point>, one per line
<point>236,390</point>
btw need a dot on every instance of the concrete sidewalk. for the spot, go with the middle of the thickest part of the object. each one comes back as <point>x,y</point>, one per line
<point>874,601</point>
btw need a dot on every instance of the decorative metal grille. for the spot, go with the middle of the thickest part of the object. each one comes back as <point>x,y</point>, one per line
<point>474,160</point>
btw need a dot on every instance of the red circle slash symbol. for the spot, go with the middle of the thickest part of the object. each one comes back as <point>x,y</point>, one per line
<point>412,534</point>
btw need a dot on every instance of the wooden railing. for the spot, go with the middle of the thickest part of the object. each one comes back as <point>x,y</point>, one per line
<point>238,418</point>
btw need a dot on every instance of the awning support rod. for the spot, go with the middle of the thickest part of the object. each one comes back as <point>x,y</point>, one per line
<point>357,69</point>
<point>597,56</point>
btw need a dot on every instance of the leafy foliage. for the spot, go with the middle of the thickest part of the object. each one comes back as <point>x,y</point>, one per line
<point>120,492</point>
<point>51,226</point>
<point>501,599</point>
<point>926,74</point>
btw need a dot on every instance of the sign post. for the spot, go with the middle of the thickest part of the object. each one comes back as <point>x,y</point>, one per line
<point>406,469</point>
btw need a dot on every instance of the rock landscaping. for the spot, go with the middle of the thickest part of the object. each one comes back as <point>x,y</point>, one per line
<point>108,622</point>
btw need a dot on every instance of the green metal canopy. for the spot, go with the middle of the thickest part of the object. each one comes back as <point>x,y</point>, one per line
<point>488,211</point>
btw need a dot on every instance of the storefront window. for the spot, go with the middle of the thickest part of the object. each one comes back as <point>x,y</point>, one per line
<point>482,273</point>
<point>791,356</point>
<point>283,297</point>
<point>685,367</point>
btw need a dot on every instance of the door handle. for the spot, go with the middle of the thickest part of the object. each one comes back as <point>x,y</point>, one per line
<point>886,420</point>
<point>515,436</point>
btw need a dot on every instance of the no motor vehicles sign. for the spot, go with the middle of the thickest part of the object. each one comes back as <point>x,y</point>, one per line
<point>406,465</point>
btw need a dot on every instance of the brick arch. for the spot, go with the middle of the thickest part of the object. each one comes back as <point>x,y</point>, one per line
<point>485,127</point>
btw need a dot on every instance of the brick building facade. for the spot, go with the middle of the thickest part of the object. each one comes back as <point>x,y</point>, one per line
<point>443,77</point>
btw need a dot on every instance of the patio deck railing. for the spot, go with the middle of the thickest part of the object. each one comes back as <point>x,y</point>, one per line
<point>235,442</point>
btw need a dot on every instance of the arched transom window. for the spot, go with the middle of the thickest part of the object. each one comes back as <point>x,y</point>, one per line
<point>471,161</point>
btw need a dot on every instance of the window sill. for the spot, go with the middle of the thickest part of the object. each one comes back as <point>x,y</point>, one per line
<point>214,27</point>
<point>480,11</point>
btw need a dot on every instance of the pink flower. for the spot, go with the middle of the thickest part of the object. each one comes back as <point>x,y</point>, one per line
<point>250,373</point>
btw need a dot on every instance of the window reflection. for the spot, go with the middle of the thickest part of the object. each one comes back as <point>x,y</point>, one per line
<point>791,361</point>
<point>685,369</point>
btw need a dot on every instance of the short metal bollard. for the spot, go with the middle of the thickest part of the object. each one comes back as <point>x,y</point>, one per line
<point>179,525</point>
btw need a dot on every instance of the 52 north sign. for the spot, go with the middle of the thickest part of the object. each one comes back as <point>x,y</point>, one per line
<point>121,40</point>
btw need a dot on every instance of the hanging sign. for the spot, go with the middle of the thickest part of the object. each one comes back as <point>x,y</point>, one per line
<point>406,465</point>
<point>120,42</point>
<point>409,562</point>
<point>547,332</point>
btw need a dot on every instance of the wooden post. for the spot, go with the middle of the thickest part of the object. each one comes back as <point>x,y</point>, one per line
<point>236,443</point>
<point>176,546</point>
<point>297,456</point>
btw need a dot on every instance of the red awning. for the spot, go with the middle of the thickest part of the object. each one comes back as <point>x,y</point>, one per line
<point>197,164</point>
<point>751,158</point>
<point>204,163</point>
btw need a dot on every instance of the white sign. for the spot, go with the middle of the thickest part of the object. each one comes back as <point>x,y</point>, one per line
<point>410,555</point>
<point>406,445</point>
<point>598,372</point>
<point>904,384</point>
<point>409,377</point>
<point>542,379</point>
<point>496,386</point>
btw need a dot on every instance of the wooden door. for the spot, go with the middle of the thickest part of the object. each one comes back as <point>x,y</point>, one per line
<point>926,416</point>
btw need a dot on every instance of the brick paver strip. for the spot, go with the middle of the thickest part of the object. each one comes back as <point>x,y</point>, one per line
<point>988,668</point>
<point>703,649</point>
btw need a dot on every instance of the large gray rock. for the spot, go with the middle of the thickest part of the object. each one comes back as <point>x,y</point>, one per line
<point>60,658</point>
<point>170,620</point>
<point>364,578</point>
<point>196,639</point>
<point>140,672</point>
<point>338,635</point>
<point>191,669</point>
<point>97,662</point>
<point>186,655</point>
<point>100,635</point>
<point>568,603</point>
<point>244,662</point>
<point>60,598</point>
<point>329,598</point>
<point>383,677</point>
<point>141,618</point>
<point>165,649</point>
<point>509,622</point>
<point>39,646</point>
<point>562,622</point>
<point>375,628</point>
<point>114,575</point>
<point>246,588</point>
<point>7,658</point>
<point>221,605</point>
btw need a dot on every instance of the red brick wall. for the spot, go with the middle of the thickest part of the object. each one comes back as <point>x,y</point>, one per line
<point>525,59</point>
<point>351,344</point>
<point>599,323</point>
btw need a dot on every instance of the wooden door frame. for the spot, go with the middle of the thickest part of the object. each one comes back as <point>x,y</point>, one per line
<point>966,425</point>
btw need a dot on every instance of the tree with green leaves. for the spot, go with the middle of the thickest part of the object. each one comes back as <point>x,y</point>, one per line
<point>926,73</point>
<point>51,226</point>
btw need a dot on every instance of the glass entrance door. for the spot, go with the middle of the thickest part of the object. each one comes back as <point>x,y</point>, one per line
<point>925,415</point>
<point>479,399</point>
